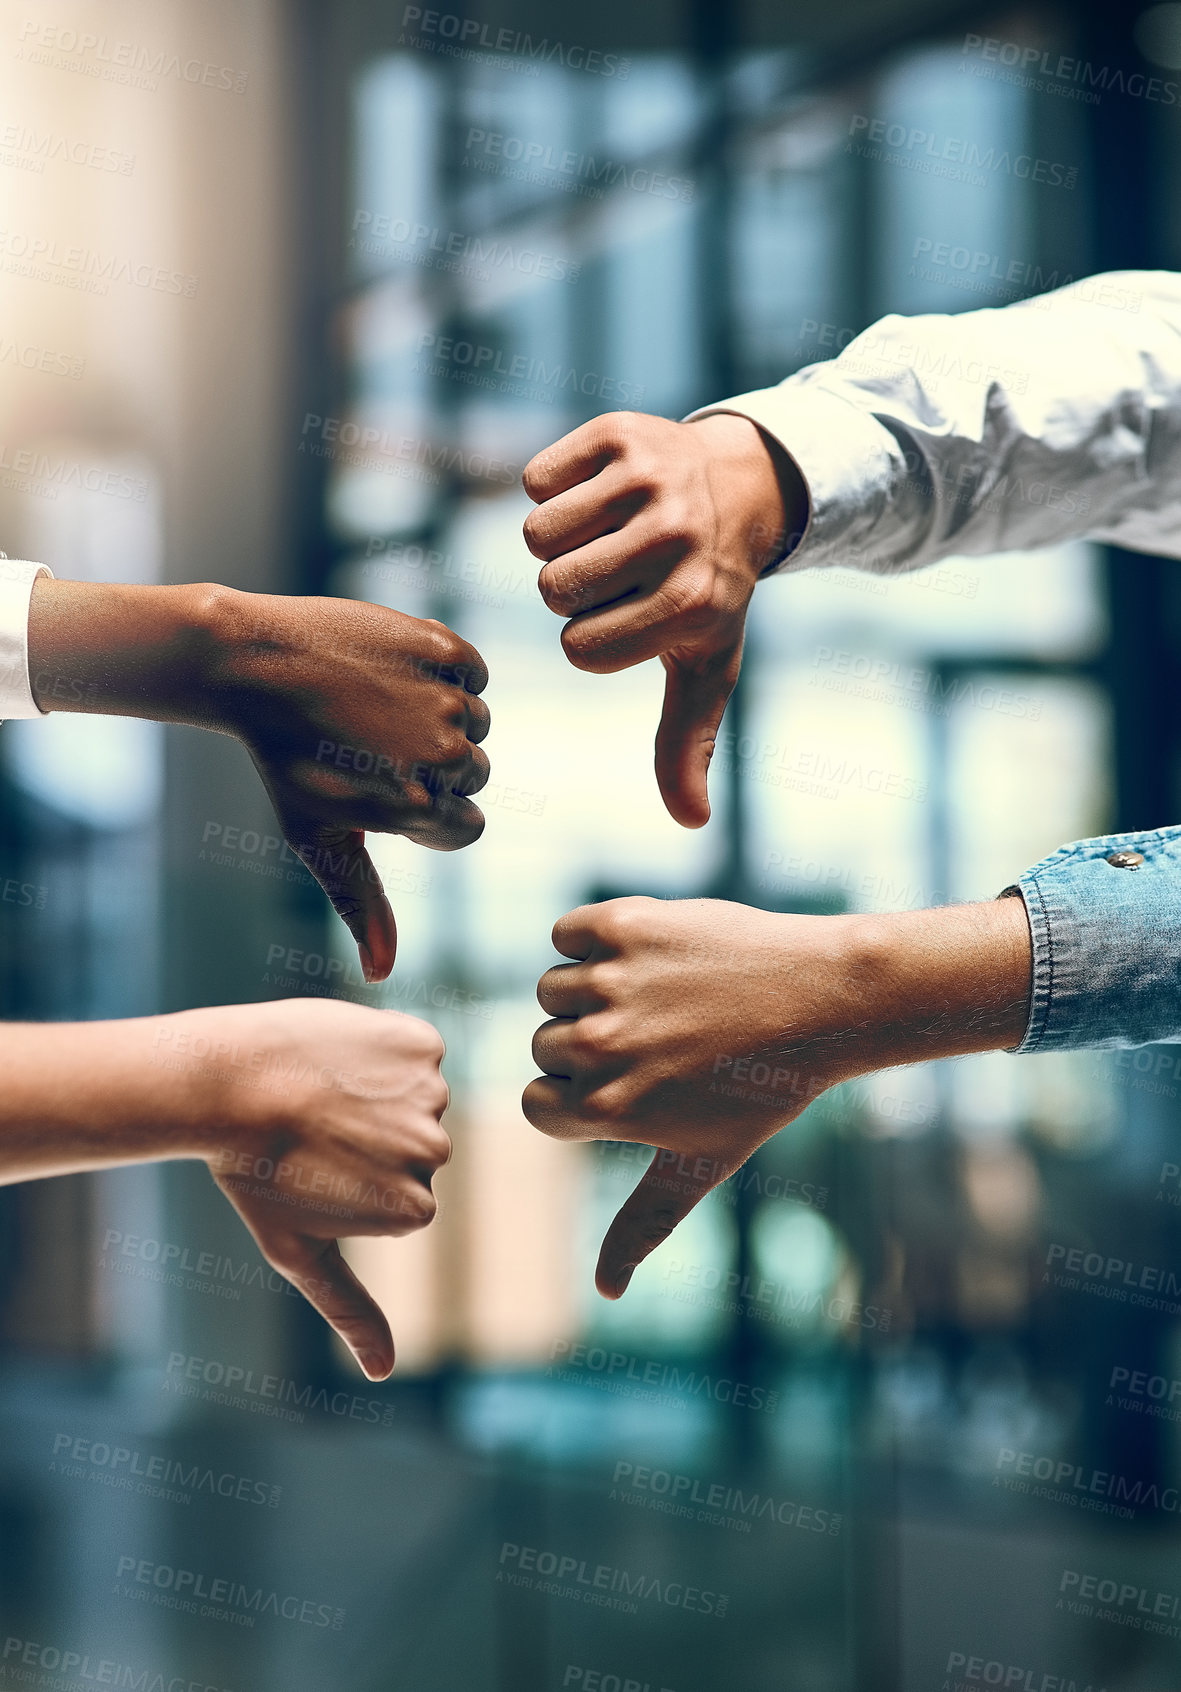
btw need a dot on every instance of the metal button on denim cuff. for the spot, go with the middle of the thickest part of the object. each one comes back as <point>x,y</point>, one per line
<point>1126,860</point>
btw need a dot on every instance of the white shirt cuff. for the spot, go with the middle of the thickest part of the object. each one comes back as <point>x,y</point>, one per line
<point>844,457</point>
<point>17,576</point>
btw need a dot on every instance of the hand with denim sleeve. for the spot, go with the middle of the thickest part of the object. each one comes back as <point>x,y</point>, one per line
<point>701,1028</point>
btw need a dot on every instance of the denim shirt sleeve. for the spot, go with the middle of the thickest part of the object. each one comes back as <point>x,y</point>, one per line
<point>1106,944</point>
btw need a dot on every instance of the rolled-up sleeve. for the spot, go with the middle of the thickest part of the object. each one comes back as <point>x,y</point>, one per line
<point>1105,919</point>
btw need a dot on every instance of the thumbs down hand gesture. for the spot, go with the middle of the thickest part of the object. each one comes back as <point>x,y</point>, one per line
<point>653,535</point>
<point>701,1027</point>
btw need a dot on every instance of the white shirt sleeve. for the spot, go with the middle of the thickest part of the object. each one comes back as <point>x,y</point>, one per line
<point>17,576</point>
<point>1054,419</point>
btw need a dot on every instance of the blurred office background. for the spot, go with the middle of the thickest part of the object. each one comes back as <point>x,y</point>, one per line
<point>352,266</point>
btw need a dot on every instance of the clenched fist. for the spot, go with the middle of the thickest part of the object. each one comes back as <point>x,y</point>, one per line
<point>357,717</point>
<point>340,1137</point>
<point>653,535</point>
<point>701,1027</point>
<point>320,1120</point>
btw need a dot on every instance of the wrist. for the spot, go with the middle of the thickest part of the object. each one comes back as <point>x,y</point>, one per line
<point>762,482</point>
<point>209,1082</point>
<point>216,624</point>
<point>93,1095</point>
<point>249,642</point>
<point>938,983</point>
<point>122,649</point>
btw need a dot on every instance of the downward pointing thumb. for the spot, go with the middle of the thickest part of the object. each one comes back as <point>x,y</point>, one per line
<point>695,693</point>
<point>646,1218</point>
<point>340,863</point>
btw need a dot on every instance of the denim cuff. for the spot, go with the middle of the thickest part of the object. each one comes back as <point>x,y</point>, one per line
<point>1106,943</point>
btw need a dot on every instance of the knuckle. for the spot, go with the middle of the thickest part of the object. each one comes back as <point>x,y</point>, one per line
<point>426,1043</point>
<point>537,530</point>
<point>583,648</point>
<point>449,646</point>
<point>610,431</point>
<point>479,721</point>
<point>679,521</point>
<point>621,1095</point>
<point>539,1112</point>
<point>557,589</point>
<point>535,478</point>
<point>607,1103</point>
<point>462,825</point>
<point>630,430</point>
<point>456,747</point>
<point>621,920</point>
<point>440,745</point>
<point>609,1033</point>
<point>418,1205</point>
<point>537,1048</point>
<point>452,825</point>
<point>479,768</point>
<point>549,988</point>
<point>644,471</point>
<point>473,780</point>
<point>437,1144</point>
<point>688,597</point>
<point>596,1107</point>
<point>582,1043</point>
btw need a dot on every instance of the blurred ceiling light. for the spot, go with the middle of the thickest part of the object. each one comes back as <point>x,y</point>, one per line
<point>1157,33</point>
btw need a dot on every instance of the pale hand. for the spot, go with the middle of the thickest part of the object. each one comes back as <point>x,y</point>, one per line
<point>653,535</point>
<point>319,1120</point>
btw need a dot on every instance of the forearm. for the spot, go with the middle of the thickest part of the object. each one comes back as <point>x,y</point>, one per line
<point>80,1096</point>
<point>937,983</point>
<point>130,651</point>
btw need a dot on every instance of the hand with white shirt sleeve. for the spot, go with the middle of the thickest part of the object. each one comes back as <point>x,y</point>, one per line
<point>927,437</point>
<point>654,535</point>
